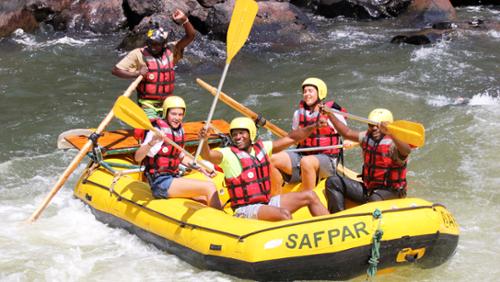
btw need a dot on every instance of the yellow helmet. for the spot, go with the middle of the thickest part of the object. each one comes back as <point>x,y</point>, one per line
<point>380,115</point>
<point>173,102</point>
<point>319,84</point>
<point>244,123</point>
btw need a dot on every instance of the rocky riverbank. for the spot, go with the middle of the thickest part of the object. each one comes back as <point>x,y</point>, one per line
<point>283,21</point>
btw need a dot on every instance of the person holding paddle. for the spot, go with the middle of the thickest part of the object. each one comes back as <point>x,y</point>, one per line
<point>307,167</point>
<point>246,166</point>
<point>384,163</point>
<point>162,159</point>
<point>155,62</point>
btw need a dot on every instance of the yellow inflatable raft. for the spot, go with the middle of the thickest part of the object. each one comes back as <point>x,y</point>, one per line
<point>338,246</point>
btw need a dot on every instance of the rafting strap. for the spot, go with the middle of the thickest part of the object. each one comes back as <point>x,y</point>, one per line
<point>375,253</point>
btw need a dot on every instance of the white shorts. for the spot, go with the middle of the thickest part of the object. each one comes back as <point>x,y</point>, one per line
<point>250,211</point>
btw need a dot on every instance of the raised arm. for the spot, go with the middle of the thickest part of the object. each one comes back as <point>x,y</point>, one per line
<point>346,132</point>
<point>206,153</point>
<point>180,18</point>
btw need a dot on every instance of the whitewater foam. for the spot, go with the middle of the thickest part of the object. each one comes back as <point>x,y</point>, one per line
<point>485,99</point>
<point>31,43</point>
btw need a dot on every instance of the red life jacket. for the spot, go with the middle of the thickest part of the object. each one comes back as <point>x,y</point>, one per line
<point>253,185</point>
<point>325,136</point>
<point>379,169</point>
<point>167,160</point>
<point>159,81</point>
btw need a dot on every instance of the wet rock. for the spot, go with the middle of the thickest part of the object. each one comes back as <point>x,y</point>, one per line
<point>49,11</point>
<point>422,37</point>
<point>444,31</point>
<point>424,13</point>
<point>362,9</point>
<point>14,15</point>
<point>210,3</point>
<point>275,22</point>
<point>94,15</point>
<point>144,8</point>
<point>457,3</point>
<point>281,22</point>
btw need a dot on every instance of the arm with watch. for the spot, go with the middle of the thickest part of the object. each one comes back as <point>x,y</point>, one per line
<point>181,19</point>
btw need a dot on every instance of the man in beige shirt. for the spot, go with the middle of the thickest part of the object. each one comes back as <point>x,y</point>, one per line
<point>155,62</point>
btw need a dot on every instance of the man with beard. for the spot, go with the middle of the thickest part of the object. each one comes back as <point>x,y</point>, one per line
<point>155,62</point>
<point>384,164</point>
<point>246,166</point>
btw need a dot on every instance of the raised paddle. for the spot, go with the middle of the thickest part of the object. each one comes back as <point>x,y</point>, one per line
<point>240,108</point>
<point>130,113</point>
<point>72,166</point>
<point>407,131</point>
<point>244,13</point>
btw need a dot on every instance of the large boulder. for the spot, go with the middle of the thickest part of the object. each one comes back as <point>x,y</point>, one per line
<point>424,13</point>
<point>94,15</point>
<point>275,22</point>
<point>281,22</point>
<point>14,15</point>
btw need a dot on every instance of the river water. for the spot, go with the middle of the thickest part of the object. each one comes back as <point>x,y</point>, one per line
<point>52,82</point>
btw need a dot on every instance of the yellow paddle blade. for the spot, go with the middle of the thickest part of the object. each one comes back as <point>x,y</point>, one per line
<point>130,113</point>
<point>407,131</point>
<point>244,13</point>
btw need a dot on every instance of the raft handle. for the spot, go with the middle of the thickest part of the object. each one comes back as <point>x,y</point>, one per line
<point>214,247</point>
<point>410,255</point>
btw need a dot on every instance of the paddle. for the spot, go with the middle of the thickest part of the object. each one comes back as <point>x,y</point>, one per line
<point>72,166</point>
<point>240,108</point>
<point>407,131</point>
<point>315,148</point>
<point>244,13</point>
<point>130,113</point>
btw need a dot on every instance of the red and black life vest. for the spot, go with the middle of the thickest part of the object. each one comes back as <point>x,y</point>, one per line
<point>167,160</point>
<point>379,169</point>
<point>253,185</point>
<point>159,81</point>
<point>325,136</point>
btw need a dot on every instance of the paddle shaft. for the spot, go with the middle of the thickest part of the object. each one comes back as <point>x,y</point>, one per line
<point>241,109</point>
<point>242,19</point>
<point>212,110</point>
<point>315,148</point>
<point>171,142</point>
<point>351,116</point>
<point>74,164</point>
